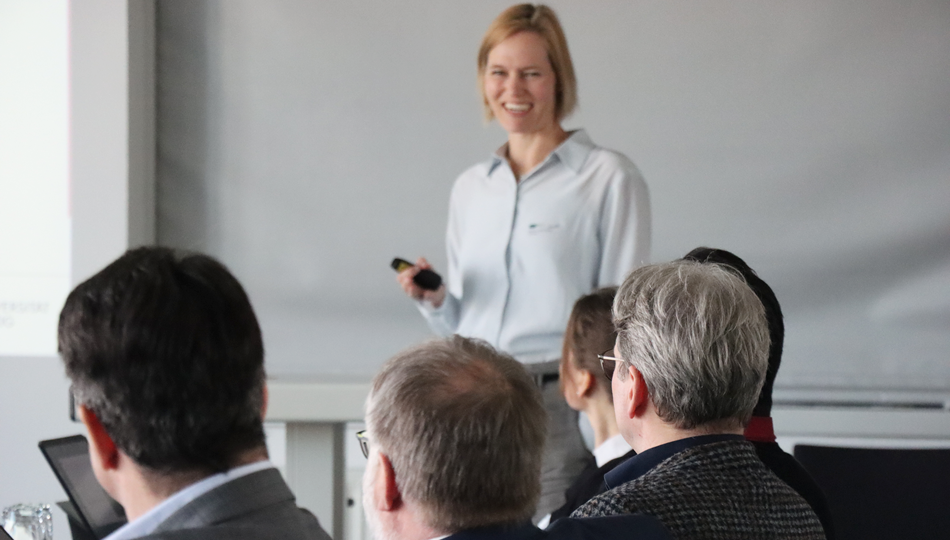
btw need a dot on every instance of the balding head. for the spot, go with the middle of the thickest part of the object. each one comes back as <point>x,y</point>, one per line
<point>463,427</point>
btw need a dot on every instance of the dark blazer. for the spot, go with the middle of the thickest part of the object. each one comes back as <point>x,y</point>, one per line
<point>718,490</point>
<point>258,506</point>
<point>588,484</point>
<point>792,473</point>
<point>629,527</point>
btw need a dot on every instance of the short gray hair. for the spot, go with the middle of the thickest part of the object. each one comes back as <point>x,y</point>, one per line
<point>463,426</point>
<point>698,335</point>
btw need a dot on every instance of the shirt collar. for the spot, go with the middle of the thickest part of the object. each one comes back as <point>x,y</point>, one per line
<point>643,462</point>
<point>149,521</point>
<point>572,152</point>
<point>610,449</point>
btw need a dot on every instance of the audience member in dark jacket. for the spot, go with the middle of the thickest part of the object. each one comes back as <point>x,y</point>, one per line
<point>687,371</point>
<point>454,439</point>
<point>759,430</point>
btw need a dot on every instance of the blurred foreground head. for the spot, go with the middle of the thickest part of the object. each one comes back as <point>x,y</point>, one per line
<point>455,431</point>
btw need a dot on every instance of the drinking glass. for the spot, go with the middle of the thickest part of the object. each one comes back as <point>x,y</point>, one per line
<point>28,521</point>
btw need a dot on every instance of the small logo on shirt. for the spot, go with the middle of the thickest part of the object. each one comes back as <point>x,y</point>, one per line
<point>538,228</point>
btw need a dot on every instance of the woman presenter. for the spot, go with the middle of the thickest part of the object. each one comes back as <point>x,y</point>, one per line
<point>550,216</point>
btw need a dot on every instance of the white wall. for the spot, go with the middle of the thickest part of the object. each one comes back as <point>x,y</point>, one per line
<point>34,170</point>
<point>33,119</point>
<point>307,143</point>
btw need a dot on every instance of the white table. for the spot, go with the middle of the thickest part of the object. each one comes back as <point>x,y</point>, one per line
<point>315,412</point>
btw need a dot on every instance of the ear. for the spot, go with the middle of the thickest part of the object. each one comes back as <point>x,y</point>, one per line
<point>636,393</point>
<point>640,397</point>
<point>102,448</point>
<point>584,382</point>
<point>388,497</point>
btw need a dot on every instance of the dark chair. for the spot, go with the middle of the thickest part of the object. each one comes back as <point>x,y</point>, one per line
<point>883,493</point>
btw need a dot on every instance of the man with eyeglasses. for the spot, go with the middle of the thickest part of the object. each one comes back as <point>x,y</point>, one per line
<point>454,437</point>
<point>690,360</point>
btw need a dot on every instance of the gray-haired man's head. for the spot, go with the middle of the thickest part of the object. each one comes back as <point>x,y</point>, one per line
<point>698,336</point>
<point>461,427</point>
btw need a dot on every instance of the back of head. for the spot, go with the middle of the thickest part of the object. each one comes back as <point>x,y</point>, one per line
<point>590,331</point>
<point>463,426</point>
<point>697,334</point>
<point>773,314</point>
<point>541,20</point>
<point>166,351</point>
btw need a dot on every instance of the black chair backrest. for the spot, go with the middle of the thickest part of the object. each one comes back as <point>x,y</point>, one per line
<point>883,493</point>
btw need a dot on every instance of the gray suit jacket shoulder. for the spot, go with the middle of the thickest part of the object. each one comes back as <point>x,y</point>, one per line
<point>258,506</point>
<point>713,491</point>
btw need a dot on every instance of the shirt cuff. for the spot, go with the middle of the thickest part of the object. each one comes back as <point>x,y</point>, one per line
<point>427,308</point>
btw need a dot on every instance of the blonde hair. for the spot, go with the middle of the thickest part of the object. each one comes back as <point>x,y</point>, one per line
<point>541,20</point>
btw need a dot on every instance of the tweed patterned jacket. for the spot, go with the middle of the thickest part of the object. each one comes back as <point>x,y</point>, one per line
<point>715,491</point>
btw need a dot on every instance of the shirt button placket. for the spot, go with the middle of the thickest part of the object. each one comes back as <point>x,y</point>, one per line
<point>513,194</point>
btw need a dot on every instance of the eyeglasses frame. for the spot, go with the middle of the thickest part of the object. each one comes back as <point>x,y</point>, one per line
<point>363,438</point>
<point>607,360</point>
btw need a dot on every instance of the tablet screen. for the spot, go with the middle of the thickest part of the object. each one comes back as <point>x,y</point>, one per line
<point>69,458</point>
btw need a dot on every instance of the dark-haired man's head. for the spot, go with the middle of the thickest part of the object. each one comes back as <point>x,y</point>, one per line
<point>773,314</point>
<point>455,432</point>
<point>167,365</point>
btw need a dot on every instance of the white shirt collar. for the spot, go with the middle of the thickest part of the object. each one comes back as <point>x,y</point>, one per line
<point>610,449</point>
<point>572,152</point>
<point>149,521</point>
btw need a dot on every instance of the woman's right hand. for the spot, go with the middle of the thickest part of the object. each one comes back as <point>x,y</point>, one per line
<point>416,292</point>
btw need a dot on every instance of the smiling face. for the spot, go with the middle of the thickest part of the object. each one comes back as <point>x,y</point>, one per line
<point>520,85</point>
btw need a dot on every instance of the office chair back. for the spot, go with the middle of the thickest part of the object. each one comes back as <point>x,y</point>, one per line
<point>876,493</point>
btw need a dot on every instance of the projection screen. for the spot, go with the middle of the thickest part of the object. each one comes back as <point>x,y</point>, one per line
<point>308,143</point>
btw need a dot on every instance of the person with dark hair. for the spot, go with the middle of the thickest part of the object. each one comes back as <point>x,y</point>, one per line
<point>454,437</point>
<point>166,361</point>
<point>590,331</point>
<point>687,370</point>
<point>550,216</point>
<point>760,431</point>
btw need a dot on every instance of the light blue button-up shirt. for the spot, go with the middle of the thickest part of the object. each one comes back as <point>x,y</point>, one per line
<point>520,253</point>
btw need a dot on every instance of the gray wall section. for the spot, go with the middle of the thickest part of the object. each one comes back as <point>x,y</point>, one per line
<point>306,143</point>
